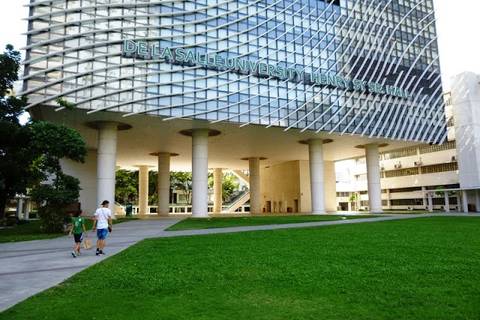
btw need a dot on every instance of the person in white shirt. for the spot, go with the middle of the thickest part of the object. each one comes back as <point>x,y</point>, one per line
<point>103,225</point>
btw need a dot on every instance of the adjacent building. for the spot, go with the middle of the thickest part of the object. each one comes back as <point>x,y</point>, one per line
<point>426,177</point>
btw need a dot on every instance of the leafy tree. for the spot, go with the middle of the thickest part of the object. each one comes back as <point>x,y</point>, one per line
<point>30,154</point>
<point>15,155</point>
<point>229,184</point>
<point>54,199</point>
<point>51,143</point>
<point>354,199</point>
<point>182,181</point>
<point>126,183</point>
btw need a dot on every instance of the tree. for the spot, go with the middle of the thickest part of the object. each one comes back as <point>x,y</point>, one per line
<point>229,184</point>
<point>354,199</point>
<point>15,155</point>
<point>182,181</point>
<point>126,183</point>
<point>54,199</point>
<point>51,143</point>
<point>30,154</point>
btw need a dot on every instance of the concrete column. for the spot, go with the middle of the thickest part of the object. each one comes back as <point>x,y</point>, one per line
<point>28,209</point>
<point>477,202</point>
<point>217,190</point>
<point>200,173</point>
<point>106,159</point>
<point>143,190</point>
<point>315,150</point>
<point>373,178</point>
<point>20,205</point>
<point>349,206</point>
<point>330,186</point>
<point>163,184</point>
<point>464,201</point>
<point>425,204</point>
<point>255,187</point>
<point>459,201</point>
<point>430,202</point>
<point>447,202</point>
<point>389,202</point>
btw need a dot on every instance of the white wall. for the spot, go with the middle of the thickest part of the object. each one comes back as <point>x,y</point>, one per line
<point>87,174</point>
<point>466,109</point>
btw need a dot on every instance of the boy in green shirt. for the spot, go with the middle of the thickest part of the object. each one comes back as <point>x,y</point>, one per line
<point>77,228</point>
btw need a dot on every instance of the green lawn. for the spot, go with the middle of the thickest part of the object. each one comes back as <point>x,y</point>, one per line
<point>224,222</point>
<point>426,268</point>
<point>32,231</point>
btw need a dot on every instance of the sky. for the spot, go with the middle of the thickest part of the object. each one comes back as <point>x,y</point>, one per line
<point>457,25</point>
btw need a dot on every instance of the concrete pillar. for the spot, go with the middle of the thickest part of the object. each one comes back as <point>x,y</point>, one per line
<point>373,178</point>
<point>315,150</point>
<point>330,186</point>
<point>255,187</point>
<point>459,201</point>
<point>106,159</point>
<point>477,202</point>
<point>143,190</point>
<point>464,201</point>
<point>430,202</point>
<point>200,173</point>
<point>447,202</point>
<point>28,209</point>
<point>163,184</point>
<point>425,204</point>
<point>217,190</point>
<point>20,208</point>
<point>349,206</point>
<point>389,203</point>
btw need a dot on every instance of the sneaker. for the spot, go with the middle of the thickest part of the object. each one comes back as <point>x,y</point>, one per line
<point>73,254</point>
<point>101,252</point>
<point>97,253</point>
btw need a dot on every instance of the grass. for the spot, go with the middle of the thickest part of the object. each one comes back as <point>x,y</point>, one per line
<point>32,231</point>
<point>224,222</point>
<point>25,232</point>
<point>425,268</point>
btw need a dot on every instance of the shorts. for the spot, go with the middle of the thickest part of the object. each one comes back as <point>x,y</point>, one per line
<point>78,237</point>
<point>102,234</point>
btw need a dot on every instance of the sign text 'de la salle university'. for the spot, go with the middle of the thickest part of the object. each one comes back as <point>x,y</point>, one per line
<point>142,50</point>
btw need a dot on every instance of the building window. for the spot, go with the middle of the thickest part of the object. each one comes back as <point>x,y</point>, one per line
<point>405,190</point>
<point>435,148</point>
<point>399,153</point>
<point>443,167</point>
<point>401,172</point>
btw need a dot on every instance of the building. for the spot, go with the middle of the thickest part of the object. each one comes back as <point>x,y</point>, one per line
<point>408,176</point>
<point>426,177</point>
<point>282,88</point>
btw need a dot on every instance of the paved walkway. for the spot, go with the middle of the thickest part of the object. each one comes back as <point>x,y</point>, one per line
<point>27,268</point>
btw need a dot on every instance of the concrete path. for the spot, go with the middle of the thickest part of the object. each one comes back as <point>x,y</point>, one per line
<point>27,268</point>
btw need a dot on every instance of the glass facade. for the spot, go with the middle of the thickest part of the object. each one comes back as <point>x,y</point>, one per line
<point>75,52</point>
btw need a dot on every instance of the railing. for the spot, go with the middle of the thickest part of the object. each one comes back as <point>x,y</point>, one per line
<point>187,209</point>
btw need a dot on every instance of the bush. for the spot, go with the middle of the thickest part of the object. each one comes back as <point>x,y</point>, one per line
<point>54,199</point>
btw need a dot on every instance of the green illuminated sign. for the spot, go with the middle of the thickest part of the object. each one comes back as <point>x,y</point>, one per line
<point>142,50</point>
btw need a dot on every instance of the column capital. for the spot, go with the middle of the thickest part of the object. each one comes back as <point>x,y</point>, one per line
<point>191,132</point>
<point>250,158</point>
<point>120,126</point>
<point>157,154</point>
<point>379,145</point>
<point>141,166</point>
<point>315,140</point>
